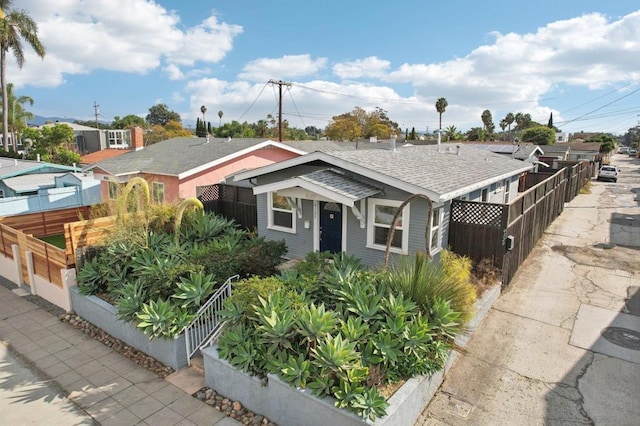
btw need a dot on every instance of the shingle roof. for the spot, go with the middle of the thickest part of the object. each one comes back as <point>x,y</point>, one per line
<point>438,172</point>
<point>175,156</point>
<point>336,181</point>
<point>436,169</point>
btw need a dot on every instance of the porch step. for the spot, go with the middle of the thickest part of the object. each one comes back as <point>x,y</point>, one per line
<point>191,378</point>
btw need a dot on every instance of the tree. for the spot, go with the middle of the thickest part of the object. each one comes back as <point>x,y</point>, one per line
<point>475,134</point>
<point>220,114</point>
<point>607,143</point>
<point>487,121</point>
<point>539,135</point>
<point>344,127</point>
<point>509,119</point>
<point>15,25</point>
<point>550,123</point>
<point>160,115</point>
<point>173,129</point>
<point>441,106</point>
<point>503,125</point>
<point>452,133</point>
<point>203,110</point>
<point>53,143</point>
<point>127,122</point>
<point>17,114</point>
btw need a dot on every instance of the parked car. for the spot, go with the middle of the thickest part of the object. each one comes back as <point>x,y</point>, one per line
<point>623,150</point>
<point>608,173</point>
<point>633,152</point>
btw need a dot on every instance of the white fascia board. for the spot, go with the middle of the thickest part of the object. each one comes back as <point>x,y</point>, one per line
<point>335,161</point>
<point>238,154</point>
<point>297,182</point>
<point>281,165</point>
<point>482,184</point>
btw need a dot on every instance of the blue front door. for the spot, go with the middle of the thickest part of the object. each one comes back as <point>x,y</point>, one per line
<point>330,227</point>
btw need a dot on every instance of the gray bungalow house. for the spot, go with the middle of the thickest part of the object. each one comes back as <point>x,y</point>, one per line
<point>344,201</point>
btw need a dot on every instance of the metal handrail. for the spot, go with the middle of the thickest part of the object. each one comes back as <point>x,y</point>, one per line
<point>207,320</point>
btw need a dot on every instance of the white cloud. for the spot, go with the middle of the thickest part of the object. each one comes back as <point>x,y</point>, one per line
<point>288,66</point>
<point>132,36</point>
<point>367,67</point>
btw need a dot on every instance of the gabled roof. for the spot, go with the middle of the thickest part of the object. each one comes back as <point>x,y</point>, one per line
<point>329,183</point>
<point>183,157</point>
<point>10,167</point>
<point>438,172</point>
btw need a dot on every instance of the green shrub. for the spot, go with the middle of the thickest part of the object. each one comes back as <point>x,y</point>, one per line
<point>260,257</point>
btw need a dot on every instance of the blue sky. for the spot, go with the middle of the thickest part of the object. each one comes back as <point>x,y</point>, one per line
<point>579,60</point>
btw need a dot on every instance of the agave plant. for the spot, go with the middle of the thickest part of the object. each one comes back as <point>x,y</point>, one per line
<point>370,404</point>
<point>194,290</point>
<point>130,299</point>
<point>313,322</point>
<point>334,353</point>
<point>157,318</point>
<point>275,322</point>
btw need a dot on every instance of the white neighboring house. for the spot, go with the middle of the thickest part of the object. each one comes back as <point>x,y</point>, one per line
<point>562,137</point>
<point>34,186</point>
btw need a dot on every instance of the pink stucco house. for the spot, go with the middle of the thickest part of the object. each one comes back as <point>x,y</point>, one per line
<point>176,167</point>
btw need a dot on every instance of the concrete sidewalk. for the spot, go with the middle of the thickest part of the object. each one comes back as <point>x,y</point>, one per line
<point>102,383</point>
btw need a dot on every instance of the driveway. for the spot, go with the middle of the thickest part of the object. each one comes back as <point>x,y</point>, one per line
<point>562,344</point>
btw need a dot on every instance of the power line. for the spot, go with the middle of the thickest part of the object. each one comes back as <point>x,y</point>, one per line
<point>254,101</point>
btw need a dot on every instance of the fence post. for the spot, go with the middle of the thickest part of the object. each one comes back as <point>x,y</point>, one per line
<point>31,271</point>
<point>15,250</point>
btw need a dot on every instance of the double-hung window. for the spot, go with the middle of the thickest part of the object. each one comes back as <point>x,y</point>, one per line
<point>281,215</point>
<point>380,217</point>
<point>157,192</point>
<point>435,231</point>
<point>113,190</point>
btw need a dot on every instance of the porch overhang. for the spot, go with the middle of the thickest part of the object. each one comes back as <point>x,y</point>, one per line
<point>323,185</point>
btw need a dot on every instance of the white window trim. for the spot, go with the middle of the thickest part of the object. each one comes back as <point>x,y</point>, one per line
<point>154,191</point>
<point>440,212</point>
<point>270,209</point>
<point>372,202</point>
<point>507,192</point>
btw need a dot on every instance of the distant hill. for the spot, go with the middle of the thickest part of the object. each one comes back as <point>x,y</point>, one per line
<point>39,120</point>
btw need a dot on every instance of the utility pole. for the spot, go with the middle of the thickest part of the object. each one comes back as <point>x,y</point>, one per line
<point>280,83</point>
<point>97,112</point>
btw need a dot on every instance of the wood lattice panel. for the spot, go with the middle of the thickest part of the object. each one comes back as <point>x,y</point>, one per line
<point>477,213</point>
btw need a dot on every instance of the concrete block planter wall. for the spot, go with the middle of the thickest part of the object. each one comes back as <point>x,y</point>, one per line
<point>287,405</point>
<point>171,352</point>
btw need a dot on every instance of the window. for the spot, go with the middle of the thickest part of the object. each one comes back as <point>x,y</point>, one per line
<point>484,197</point>
<point>379,220</point>
<point>434,231</point>
<point>113,190</point>
<point>1,193</point>
<point>157,192</point>
<point>281,214</point>
<point>117,139</point>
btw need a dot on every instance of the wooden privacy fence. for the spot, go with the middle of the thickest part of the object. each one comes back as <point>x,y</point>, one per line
<point>44,224</point>
<point>231,202</point>
<point>577,174</point>
<point>85,233</point>
<point>48,259</point>
<point>481,230</point>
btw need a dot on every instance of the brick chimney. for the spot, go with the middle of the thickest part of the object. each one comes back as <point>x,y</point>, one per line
<point>137,139</point>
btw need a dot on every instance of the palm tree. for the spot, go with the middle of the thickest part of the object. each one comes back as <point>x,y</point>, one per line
<point>203,110</point>
<point>17,113</point>
<point>509,118</point>
<point>220,114</point>
<point>441,106</point>
<point>451,133</point>
<point>15,25</point>
<point>503,125</point>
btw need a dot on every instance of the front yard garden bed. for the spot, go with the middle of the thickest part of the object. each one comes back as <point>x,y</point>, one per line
<point>169,351</point>
<point>276,399</point>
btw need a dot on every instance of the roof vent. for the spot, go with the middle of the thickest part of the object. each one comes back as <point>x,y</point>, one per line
<point>458,149</point>
<point>207,141</point>
<point>15,162</point>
